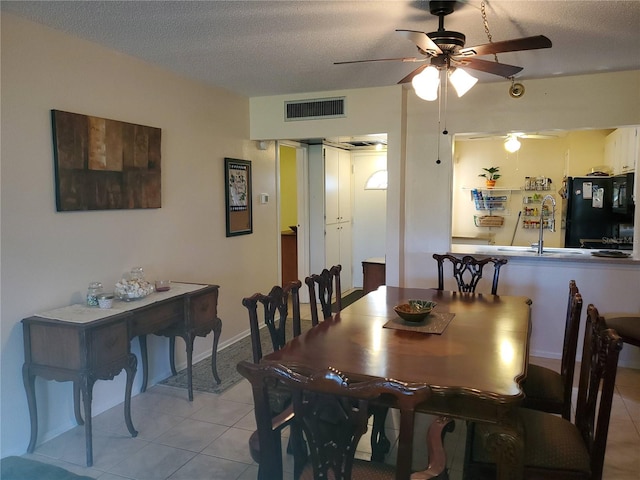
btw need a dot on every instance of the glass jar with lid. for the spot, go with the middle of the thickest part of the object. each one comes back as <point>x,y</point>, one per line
<point>94,290</point>
<point>136,273</point>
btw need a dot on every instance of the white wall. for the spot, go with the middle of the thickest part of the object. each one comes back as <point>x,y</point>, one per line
<point>48,258</point>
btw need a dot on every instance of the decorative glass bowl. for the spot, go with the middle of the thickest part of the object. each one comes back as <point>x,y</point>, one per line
<point>128,290</point>
<point>415,310</point>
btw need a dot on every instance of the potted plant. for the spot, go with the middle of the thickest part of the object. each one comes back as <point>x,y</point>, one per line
<point>491,175</point>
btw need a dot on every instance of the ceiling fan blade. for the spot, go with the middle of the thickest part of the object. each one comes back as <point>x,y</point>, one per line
<point>409,77</point>
<point>538,136</point>
<point>398,59</point>
<point>495,68</point>
<point>515,45</point>
<point>422,40</point>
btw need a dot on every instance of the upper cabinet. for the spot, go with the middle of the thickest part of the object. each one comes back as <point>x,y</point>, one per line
<point>622,149</point>
<point>337,164</point>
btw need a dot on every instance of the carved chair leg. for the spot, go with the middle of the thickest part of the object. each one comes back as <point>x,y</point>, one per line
<point>435,448</point>
<point>380,444</point>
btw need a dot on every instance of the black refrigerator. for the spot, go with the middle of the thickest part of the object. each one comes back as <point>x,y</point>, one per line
<point>590,219</point>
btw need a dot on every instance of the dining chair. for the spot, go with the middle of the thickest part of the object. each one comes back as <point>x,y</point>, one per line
<point>555,447</point>
<point>627,325</point>
<point>550,391</point>
<point>332,413</point>
<point>273,310</point>
<point>467,271</point>
<point>328,283</point>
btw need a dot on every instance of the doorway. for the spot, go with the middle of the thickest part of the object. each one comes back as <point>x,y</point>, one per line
<point>368,204</point>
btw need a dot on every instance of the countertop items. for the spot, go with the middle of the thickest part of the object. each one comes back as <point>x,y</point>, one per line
<point>583,255</point>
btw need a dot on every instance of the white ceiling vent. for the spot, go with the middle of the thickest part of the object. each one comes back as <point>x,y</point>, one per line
<point>314,109</point>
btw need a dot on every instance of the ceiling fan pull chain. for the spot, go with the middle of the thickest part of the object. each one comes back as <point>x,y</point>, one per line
<point>438,161</point>
<point>483,10</point>
<point>446,100</point>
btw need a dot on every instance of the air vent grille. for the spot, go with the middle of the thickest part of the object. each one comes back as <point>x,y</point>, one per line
<point>313,109</point>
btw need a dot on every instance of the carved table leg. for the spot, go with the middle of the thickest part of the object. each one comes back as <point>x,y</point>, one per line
<point>29,386</point>
<point>87,396</point>
<point>130,368</point>
<point>76,403</point>
<point>435,448</point>
<point>189,338</point>
<point>380,444</point>
<point>217,329</point>
<point>143,353</point>
<point>172,355</point>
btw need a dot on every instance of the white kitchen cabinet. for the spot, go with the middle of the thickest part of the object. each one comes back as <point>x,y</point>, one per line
<point>330,198</point>
<point>622,149</point>
<point>337,168</point>
<point>338,250</point>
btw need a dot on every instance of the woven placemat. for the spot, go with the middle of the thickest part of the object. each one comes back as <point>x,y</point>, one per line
<point>435,323</point>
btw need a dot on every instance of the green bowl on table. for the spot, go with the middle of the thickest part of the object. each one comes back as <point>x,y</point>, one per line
<point>415,310</point>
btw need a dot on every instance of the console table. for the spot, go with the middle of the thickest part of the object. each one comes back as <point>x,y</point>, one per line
<point>84,344</point>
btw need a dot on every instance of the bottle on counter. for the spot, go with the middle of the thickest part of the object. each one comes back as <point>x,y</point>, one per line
<point>94,290</point>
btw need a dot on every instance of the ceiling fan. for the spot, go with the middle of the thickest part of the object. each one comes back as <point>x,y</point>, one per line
<point>512,140</point>
<point>445,50</point>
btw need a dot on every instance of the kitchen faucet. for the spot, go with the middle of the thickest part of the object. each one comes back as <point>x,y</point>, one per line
<point>552,222</point>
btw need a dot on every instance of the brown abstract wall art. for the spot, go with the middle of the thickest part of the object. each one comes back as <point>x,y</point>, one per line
<point>103,164</point>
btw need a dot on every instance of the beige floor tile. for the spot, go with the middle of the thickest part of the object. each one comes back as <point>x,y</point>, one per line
<point>205,467</point>
<point>240,392</point>
<point>248,422</point>
<point>191,435</point>
<point>222,412</point>
<point>232,445</point>
<point>152,462</point>
<point>628,376</point>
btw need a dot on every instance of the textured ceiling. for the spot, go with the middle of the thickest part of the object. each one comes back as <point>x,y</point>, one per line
<point>280,47</point>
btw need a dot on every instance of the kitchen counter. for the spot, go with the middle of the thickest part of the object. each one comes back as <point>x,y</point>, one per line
<point>550,254</point>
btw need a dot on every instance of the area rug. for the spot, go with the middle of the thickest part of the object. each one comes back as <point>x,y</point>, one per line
<point>228,358</point>
<point>19,468</point>
<point>349,299</point>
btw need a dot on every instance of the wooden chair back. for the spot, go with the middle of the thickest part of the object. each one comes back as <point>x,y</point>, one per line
<point>332,413</point>
<point>274,313</point>
<point>327,284</point>
<point>570,345</point>
<point>600,353</point>
<point>275,310</point>
<point>467,271</point>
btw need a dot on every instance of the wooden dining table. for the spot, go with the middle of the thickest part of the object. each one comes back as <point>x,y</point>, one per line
<point>474,366</point>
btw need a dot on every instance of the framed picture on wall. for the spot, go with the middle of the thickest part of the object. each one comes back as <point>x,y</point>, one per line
<point>239,212</point>
<point>103,164</point>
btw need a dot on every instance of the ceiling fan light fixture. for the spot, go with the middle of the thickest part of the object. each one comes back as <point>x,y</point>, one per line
<point>462,81</point>
<point>426,83</point>
<point>512,144</point>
